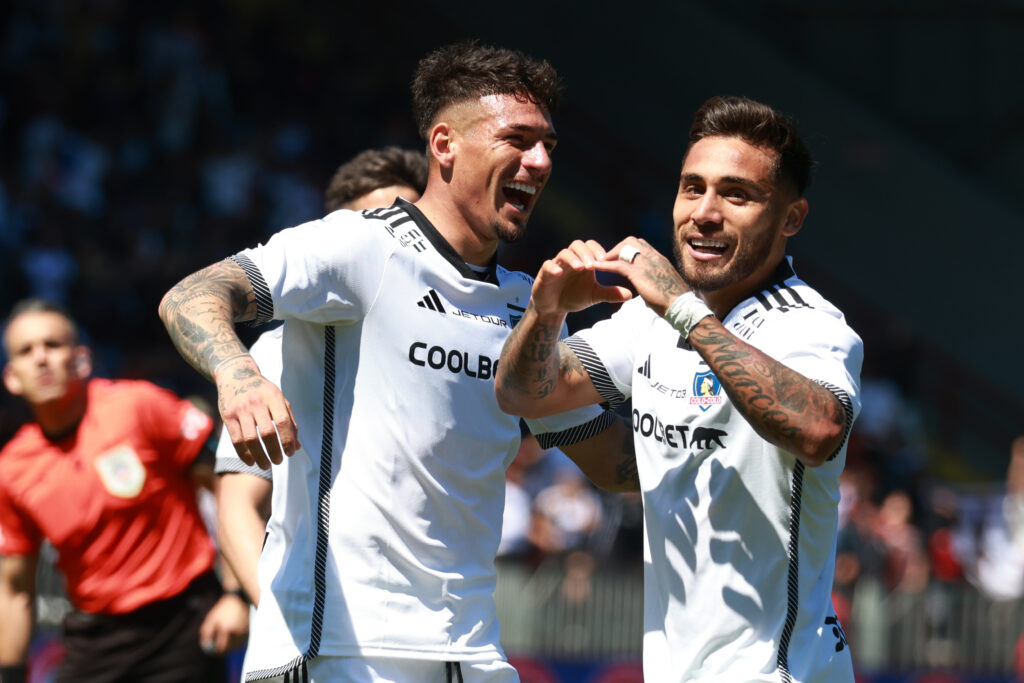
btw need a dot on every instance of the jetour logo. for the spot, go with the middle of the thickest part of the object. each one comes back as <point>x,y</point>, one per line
<point>707,390</point>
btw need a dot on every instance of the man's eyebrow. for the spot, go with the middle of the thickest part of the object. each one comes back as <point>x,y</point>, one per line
<point>729,179</point>
<point>550,135</point>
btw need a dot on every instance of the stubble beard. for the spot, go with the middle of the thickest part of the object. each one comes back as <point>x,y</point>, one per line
<point>709,277</point>
<point>509,233</point>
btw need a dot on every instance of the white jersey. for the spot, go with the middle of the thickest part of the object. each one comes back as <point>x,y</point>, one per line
<point>740,537</point>
<point>385,523</point>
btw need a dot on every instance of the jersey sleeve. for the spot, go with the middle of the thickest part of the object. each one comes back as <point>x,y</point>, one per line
<point>821,347</point>
<point>328,270</point>
<point>266,351</point>
<point>174,426</point>
<point>18,533</point>
<point>607,352</point>
<point>565,429</point>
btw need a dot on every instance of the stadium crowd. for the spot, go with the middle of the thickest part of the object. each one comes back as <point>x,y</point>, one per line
<point>157,152</point>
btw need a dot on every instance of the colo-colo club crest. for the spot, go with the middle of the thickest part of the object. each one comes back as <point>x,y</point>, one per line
<point>707,390</point>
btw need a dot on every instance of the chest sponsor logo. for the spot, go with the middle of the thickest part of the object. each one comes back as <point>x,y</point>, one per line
<point>707,390</point>
<point>432,302</point>
<point>121,472</point>
<point>649,426</point>
<point>454,361</point>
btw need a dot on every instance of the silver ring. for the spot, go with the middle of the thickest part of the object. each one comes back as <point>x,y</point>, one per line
<point>628,253</point>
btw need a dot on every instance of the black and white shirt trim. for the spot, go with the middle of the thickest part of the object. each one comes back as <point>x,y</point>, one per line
<point>597,371</point>
<point>578,433</point>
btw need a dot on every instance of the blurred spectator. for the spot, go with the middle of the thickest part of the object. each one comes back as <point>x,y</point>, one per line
<point>568,511</point>
<point>988,538</point>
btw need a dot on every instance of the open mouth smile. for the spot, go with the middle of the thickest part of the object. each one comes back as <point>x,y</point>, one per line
<point>705,249</point>
<point>519,194</point>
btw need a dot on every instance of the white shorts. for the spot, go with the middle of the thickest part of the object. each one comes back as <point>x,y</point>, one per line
<point>391,670</point>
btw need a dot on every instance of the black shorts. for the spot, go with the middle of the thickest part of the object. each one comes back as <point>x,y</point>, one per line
<point>157,643</point>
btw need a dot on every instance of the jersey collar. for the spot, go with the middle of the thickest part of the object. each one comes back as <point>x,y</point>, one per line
<point>446,250</point>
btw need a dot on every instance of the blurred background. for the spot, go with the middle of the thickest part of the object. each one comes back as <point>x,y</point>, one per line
<point>142,141</point>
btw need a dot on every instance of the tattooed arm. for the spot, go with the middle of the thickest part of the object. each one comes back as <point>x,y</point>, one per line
<point>787,409</point>
<point>537,374</point>
<point>200,313</point>
<point>784,407</point>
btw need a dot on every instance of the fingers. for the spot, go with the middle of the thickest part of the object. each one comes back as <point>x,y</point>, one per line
<point>628,250</point>
<point>261,426</point>
<point>581,255</point>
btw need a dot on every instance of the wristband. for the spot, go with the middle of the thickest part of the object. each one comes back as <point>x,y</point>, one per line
<point>14,674</point>
<point>240,594</point>
<point>685,312</point>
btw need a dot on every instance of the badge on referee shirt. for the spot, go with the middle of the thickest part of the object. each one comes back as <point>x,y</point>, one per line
<point>121,471</point>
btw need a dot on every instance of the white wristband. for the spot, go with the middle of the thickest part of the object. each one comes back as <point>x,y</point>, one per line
<point>685,312</point>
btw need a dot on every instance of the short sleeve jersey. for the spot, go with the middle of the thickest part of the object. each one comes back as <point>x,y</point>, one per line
<point>740,536</point>
<point>114,498</point>
<point>385,523</point>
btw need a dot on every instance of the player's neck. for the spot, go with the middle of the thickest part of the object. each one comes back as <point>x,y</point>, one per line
<point>61,417</point>
<point>722,301</point>
<point>446,218</point>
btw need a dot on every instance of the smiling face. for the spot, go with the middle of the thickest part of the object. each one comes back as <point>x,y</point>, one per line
<point>732,217</point>
<point>500,161</point>
<point>45,364</point>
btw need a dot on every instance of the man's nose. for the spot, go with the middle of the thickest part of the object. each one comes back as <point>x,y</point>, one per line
<point>538,157</point>
<point>707,209</point>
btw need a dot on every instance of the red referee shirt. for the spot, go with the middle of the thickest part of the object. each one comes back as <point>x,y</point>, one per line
<point>114,498</point>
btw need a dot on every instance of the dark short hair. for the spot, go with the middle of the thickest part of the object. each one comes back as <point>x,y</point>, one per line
<point>40,305</point>
<point>373,169</point>
<point>761,126</point>
<point>469,70</point>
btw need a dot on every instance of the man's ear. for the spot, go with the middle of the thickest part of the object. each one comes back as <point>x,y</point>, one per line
<point>442,144</point>
<point>83,362</point>
<point>795,215</point>
<point>11,382</point>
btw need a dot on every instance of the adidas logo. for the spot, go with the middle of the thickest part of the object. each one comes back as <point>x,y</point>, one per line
<point>645,369</point>
<point>432,301</point>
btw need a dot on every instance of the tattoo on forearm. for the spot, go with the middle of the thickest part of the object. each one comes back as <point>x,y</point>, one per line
<point>530,360</point>
<point>775,399</point>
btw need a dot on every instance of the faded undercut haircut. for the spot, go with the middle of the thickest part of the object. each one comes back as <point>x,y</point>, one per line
<point>373,169</point>
<point>469,70</point>
<point>761,126</point>
<point>39,305</point>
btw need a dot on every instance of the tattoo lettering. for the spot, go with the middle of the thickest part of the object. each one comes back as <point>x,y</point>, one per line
<point>777,401</point>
